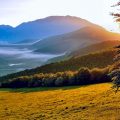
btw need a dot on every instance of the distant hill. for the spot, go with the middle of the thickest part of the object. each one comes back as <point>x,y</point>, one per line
<point>99,47</point>
<point>74,41</point>
<point>42,28</point>
<point>98,59</point>
<point>106,45</point>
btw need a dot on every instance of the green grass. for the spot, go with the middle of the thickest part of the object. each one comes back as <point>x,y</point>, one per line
<point>93,102</point>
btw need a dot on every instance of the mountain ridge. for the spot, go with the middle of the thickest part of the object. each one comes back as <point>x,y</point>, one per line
<point>42,28</point>
<point>78,39</point>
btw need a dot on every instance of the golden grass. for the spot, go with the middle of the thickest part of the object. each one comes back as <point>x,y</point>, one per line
<point>94,102</point>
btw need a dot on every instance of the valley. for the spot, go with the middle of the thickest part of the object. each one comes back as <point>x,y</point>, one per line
<point>16,59</point>
<point>28,53</point>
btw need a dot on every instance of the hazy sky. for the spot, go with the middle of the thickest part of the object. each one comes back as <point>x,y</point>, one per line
<point>14,12</point>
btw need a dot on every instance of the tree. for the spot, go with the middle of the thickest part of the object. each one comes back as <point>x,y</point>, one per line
<point>115,74</point>
<point>83,76</point>
<point>116,15</point>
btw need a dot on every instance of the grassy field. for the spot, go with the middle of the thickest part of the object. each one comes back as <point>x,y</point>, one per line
<point>93,102</point>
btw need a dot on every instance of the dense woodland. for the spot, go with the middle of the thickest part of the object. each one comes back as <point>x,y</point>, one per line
<point>83,76</point>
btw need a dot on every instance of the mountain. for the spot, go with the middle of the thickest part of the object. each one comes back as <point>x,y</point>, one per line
<point>30,53</point>
<point>76,40</point>
<point>42,28</point>
<point>5,33</point>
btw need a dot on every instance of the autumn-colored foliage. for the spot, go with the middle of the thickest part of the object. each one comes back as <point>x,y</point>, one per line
<point>83,76</point>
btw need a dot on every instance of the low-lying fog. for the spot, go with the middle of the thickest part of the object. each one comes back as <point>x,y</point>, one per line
<point>26,54</point>
<point>13,59</point>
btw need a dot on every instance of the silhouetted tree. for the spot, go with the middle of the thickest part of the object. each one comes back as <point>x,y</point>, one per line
<point>116,15</point>
<point>115,74</point>
<point>83,76</point>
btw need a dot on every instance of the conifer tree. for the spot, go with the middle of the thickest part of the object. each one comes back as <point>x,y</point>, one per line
<point>116,15</point>
<point>115,74</point>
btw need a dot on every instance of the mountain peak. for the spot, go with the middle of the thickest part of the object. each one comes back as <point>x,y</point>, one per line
<point>6,26</point>
<point>67,18</point>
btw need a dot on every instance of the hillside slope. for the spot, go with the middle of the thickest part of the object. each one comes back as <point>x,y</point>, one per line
<point>73,103</point>
<point>74,41</point>
<point>98,59</point>
<point>99,47</point>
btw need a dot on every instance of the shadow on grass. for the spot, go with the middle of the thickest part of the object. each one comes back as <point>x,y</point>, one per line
<point>37,89</point>
<point>40,89</point>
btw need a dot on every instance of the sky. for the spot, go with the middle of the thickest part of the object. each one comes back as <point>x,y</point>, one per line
<point>14,12</point>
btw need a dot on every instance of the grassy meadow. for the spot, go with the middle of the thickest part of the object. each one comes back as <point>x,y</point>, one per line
<point>91,102</point>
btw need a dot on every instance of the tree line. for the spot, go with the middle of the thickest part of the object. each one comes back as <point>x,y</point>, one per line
<point>83,76</point>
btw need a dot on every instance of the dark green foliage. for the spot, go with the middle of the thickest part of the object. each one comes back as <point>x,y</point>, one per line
<point>115,76</point>
<point>116,15</point>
